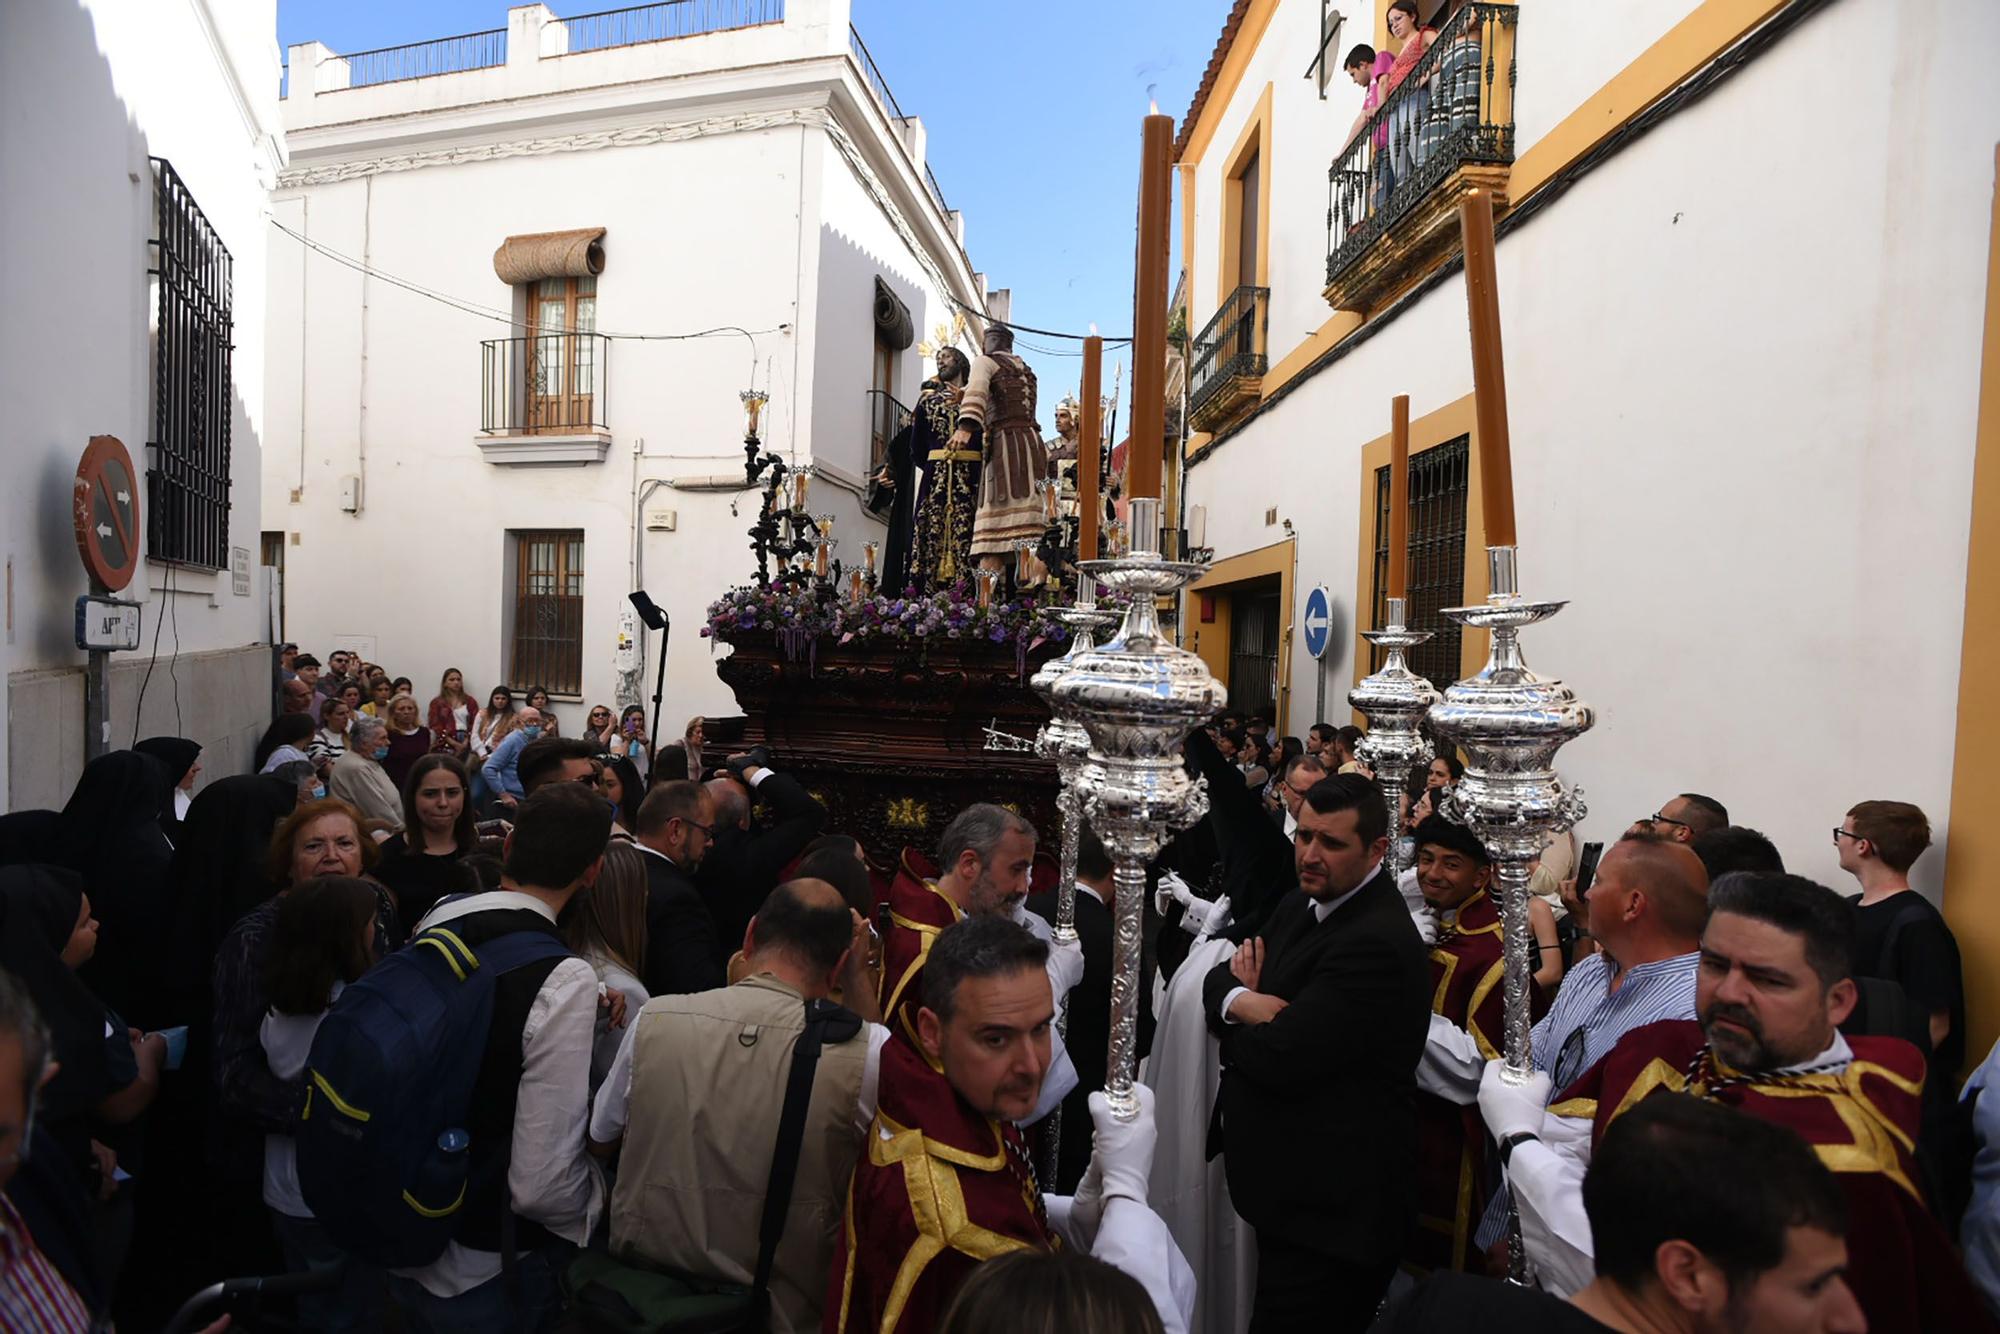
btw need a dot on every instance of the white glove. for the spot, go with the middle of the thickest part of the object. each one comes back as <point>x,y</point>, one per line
<point>1123,1155</point>
<point>1086,1207</point>
<point>1169,890</point>
<point>1512,1109</point>
<point>1219,918</point>
<point>1065,966</point>
<point>1427,926</point>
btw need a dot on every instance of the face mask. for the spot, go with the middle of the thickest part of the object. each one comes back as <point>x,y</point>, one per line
<point>381,752</point>
<point>531,732</point>
<point>319,791</point>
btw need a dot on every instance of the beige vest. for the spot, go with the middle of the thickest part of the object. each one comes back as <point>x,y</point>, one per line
<point>708,1082</point>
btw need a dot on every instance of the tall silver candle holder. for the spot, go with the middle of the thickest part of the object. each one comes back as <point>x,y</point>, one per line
<point>1065,741</point>
<point>1137,697</point>
<point>1395,700</point>
<point>1510,723</point>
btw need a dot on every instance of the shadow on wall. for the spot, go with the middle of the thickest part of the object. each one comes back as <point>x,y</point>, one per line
<point>844,415</point>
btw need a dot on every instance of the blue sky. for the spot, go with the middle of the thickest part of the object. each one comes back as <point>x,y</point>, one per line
<point>1032,109</point>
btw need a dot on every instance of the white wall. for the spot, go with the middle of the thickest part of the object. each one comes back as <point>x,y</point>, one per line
<point>87,92</point>
<point>1742,403</point>
<point>699,234</point>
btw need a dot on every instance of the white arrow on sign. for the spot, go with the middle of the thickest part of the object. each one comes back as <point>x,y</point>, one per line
<point>124,497</point>
<point>104,530</point>
<point>1316,621</point>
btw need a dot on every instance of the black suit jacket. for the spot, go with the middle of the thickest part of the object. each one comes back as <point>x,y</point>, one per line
<point>1089,1033</point>
<point>743,865</point>
<point>680,935</point>
<point>1316,1112</point>
<point>1258,868</point>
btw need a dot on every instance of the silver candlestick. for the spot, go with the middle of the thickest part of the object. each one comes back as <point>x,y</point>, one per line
<point>1510,723</point>
<point>1137,697</point>
<point>1395,699</point>
<point>1065,742</point>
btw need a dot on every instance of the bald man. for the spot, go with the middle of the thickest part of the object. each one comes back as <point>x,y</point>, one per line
<point>763,821</point>
<point>697,1088</point>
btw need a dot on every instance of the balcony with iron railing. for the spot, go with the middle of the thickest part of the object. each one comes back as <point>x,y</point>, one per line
<point>871,74</point>
<point>1228,360</point>
<point>543,398</point>
<point>1447,127</point>
<point>886,418</point>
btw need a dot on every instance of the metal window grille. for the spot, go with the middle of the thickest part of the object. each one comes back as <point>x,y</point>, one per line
<point>1253,653</point>
<point>886,417</point>
<point>1438,488</point>
<point>548,610</point>
<point>187,472</point>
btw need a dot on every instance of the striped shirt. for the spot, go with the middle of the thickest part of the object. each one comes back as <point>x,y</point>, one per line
<point>34,1299</point>
<point>1585,1023</point>
<point>1588,1017</point>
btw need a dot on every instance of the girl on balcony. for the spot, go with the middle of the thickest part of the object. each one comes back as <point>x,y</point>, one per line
<point>1405,115</point>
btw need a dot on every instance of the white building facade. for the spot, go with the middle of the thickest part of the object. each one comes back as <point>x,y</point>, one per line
<point>1743,303</point>
<point>476,475</point>
<point>138,140</point>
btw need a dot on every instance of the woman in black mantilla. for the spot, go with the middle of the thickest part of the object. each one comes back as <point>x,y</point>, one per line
<point>930,527</point>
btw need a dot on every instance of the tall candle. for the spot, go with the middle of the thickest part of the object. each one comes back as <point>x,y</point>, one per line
<point>1489,371</point>
<point>820,554</point>
<point>987,578</point>
<point>854,587</point>
<point>1149,314</point>
<point>1090,449</point>
<point>799,481</point>
<point>868,550</point>
<point>1399,495</point>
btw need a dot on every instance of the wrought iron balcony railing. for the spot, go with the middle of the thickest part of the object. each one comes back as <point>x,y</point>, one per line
<point>544,384</point>
<point>1229,357</point>
<point>1449,122</point>
<point>886,417</point>
<point>638,24</point>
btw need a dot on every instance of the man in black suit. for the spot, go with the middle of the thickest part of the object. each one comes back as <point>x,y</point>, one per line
<point>1089,1005</point>
<point>1322,1020</point>
<point>676,824</point>
<point>743,864</point>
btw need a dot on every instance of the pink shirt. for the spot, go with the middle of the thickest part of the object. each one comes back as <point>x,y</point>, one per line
<point>1384,62</point>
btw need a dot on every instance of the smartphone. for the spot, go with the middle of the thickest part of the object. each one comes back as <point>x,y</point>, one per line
<point>177,1044</point>
<point>1586,867</point>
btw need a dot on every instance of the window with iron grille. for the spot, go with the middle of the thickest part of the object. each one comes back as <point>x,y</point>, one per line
<point>187,468</point>
<point>1438,479</point>
<point>548,611</point>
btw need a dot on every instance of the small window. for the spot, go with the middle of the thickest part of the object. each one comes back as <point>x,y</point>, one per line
<point>1249,182</point>
<point>548,611</point>
<point>187,469</point>
<point>1438,478</point>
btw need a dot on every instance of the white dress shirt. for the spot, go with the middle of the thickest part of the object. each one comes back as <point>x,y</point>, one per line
<point>551,1176</point>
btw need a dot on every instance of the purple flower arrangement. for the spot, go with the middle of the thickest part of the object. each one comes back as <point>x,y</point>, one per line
<point>801,616</point>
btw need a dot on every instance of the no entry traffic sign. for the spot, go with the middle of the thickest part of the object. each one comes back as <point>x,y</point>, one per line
<point>105,510</point>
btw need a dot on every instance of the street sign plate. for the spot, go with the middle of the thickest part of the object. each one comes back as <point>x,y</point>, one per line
<point>106,624</point>
<point>1318,620</point>
<point>104,507</point>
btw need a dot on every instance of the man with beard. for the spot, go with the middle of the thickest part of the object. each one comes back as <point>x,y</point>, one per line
<point>946,1183</point>
<point>1322,1020</point>
<point>1773,987</point>
<point>986,854</point>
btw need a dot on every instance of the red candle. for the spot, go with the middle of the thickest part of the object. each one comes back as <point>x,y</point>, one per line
<point>1399,495</point>
<point>1090,449</point>
<point>1489,371</point>
<point>1149,311</point>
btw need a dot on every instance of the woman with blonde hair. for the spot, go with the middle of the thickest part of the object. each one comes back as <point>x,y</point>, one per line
<point>607,927</point>
<point>451,714</point>
<point>409,739</point>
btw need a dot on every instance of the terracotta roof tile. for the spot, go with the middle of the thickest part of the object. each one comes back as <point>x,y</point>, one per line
<point>1230,27</point>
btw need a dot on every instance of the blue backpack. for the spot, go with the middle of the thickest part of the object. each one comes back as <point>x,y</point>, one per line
<point>383,1154</point>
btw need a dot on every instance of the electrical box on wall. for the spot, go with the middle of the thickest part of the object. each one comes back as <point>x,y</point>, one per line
<point>350,494</point>
<point>661,520</point>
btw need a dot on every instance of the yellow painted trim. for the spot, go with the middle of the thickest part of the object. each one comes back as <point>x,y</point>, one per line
<point>1254,141</point>
<point>1234,66</point>
<point>1710,29</point>
<point>1186,174</point>
<point>1432,429</point>
<point>1279,558</point>
<point>1973,854</point>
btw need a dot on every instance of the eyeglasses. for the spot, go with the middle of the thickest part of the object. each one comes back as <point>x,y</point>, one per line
<point>708,830</point>
<point>1839,834</point>
<point>1657,818</point>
